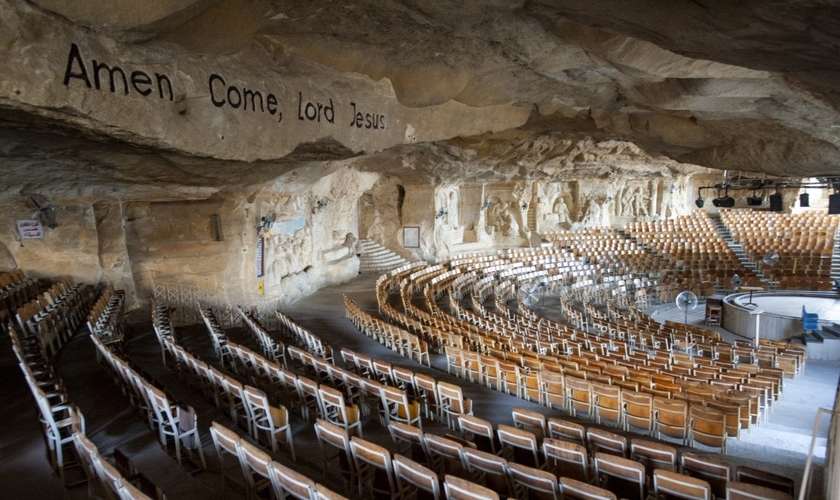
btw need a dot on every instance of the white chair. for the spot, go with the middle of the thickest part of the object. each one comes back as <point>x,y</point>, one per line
<point>289,483</point>
<point>335,410</point>
<point>179,423</point>
<point>269,421</point>
<point>398,408</point>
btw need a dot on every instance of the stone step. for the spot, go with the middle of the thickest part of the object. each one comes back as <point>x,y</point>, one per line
<point>833,329</point>
<point>374,258</point>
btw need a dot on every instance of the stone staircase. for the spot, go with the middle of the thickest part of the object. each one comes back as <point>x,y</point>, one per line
<point>736,248</point>
<point>374,258</point>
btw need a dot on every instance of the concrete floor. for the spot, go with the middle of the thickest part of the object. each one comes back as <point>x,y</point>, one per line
<point>779,445</point>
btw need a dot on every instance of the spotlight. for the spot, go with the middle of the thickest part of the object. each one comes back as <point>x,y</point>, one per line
<point>804,200</point>
<point>754,200</point>
<point>726,202</point>
<point>699,202</point>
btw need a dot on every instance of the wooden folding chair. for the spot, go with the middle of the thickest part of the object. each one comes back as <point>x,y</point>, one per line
<point>461,489</point>
<point>334,442</point>
<point>567,459</point>
<point>479,431</point>
<point>520,445</point>
<point>621,474</point>
<point>374,468</point>
<point>680,486</point>
<point>745,491</point>
<point>573,489</point>
<point>528,481</point>
<point>286,482</point>
<point>489,469</point>
<point>412,475</point>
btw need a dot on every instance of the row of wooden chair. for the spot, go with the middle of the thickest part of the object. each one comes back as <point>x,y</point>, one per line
<point>239,458</point>
<point>117,481</point>
<point>54,315</point>
<point>248,406</point>
<point>436,399</point>
<point>15,291</point>
<point>521,475</point>
<point>271,348</point>
<point>401,341</point>
<point>59,417</point>
<point>308,340</point>
<point>173,421</point>
<point>107,315</point>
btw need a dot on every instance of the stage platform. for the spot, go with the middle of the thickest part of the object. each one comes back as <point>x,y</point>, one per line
<point>780,314</point>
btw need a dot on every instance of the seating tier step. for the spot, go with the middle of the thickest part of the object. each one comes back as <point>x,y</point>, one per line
<point>374,258</point>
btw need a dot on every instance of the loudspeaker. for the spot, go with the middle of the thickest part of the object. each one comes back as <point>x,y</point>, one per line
<point>776,202</point>
<point>834,203</point>
<point>755,201</point>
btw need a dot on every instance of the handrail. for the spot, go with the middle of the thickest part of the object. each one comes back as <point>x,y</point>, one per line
<point>806,476</point>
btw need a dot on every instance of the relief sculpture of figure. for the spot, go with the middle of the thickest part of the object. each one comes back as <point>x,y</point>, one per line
<point>627,203</point>
<point>561,210</point>
<point>593,214</point>
<point>639,201</point>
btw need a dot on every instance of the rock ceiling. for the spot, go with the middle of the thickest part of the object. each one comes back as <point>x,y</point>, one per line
<point>528,89</point>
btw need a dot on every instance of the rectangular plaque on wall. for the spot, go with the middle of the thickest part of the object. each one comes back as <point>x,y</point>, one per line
<point>30,229</point>
<point>260,253</point>
<point>411,236</point>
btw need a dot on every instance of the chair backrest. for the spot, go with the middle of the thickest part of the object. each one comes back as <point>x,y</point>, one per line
<point>285,482</point>
<point>333,435</point>
<point>518,439</point>
<point>333,408</point>
<point>573,489</point>
<point>403,377</point>
<point>128,491</point>
<point>421,477</point>
<point>736,490</point>
<point>108,475</point>
<point>530,420</point>
<point>671,417</point>
<point>482,461</point>
<point>451,395</point>
<point>653,455</point>
<point>622,468</point>
<point>396,405</point>
<point>87,452</point>
<point>257,401</point>
<point>483,434</point>
<point>368,455</point>
<point>445,448</point>
<point>401,431</point>
<point>323,493</point>
<point>224,439</point>
<point>708,427</point>
<point>533,479</point>
<point>567,430</point>
<point>711,469</point>
<point>254,460</point>
<point>759,477</point>
<point>371,454</point>
<point>606,441</point>
<point>461,489</point>
<point>569,459</point>
<point>680,486</point>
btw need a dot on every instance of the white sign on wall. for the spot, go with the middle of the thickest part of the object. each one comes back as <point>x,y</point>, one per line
<point>30,229</point>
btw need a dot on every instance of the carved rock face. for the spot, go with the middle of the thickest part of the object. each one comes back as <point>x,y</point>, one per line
<point>739,87</point>
<point>474,123</point>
